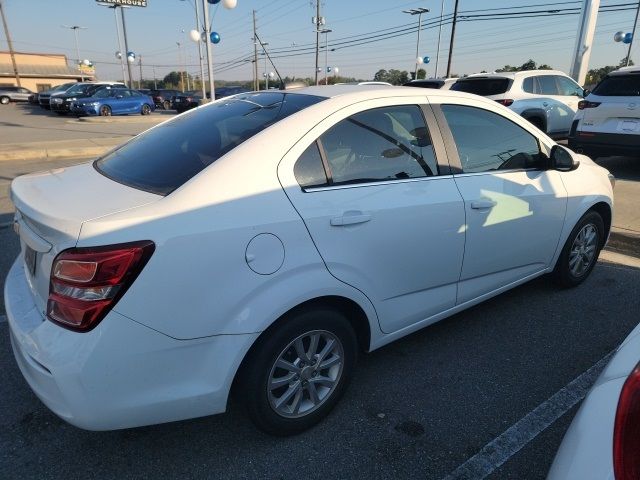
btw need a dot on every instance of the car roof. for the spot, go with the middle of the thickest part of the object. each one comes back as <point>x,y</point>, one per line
<point>514,75</point>
<point>626,70</point>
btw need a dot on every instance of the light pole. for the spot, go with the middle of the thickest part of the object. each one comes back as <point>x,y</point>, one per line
<point>126,45</point>
<point>439,34</point>
<point>75,29</point>
<point>633,34</point>
<point>198,39</point>
<point>120,55</point>
<point>264,50</point>
<point>326,32</point>
<point>419,12</point>
<point>180,68</point>
<point>10,45</point>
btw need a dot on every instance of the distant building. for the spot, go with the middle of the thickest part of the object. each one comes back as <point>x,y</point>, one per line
<point>39,71</point>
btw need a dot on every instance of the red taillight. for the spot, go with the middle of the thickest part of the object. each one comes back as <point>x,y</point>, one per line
<point>626,432</point>
<point>582,104</point>
<point>506,102</point>
<point>87,282</point>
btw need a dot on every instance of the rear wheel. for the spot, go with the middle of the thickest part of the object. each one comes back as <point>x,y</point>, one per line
<point>105,111</point>
<point>580,252</point>
<point>298,372</point>
<point>4,100</point>
<point>166,104</point>
<point>146,109</point>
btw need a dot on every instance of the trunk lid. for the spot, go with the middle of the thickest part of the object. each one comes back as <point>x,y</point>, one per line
<point>620,115</point>
<point>51,208</point>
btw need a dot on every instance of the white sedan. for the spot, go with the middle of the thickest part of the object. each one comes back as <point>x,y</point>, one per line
<point>603,441</point>
<point>262,241</point>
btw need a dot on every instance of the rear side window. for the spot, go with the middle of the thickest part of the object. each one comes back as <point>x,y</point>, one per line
<point>483,86</point>
<point>547,85</point>
<point>389,143</point>
<point>164,158</point>
<point>619,86</point>
<point>528,85</point>
<point>308,170</point>
<point>487,141</point>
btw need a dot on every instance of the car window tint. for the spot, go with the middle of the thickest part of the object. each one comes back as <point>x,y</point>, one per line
<point>165,157</point>
<point>123,93</point>
<point>619,86</point>
<point>380,144</point>
<point>308,169</point>
<point>487,141</point>
<point>568,87</point>
<point>548,85</point>
<point>482,86</point>
<point>527,85</point>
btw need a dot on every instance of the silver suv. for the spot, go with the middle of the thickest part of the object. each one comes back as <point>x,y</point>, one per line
<point>547,98</point>
<point>14,94</point>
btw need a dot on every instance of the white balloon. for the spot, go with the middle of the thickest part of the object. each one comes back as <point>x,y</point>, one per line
<point>229,4</point>
<point>420,60</point>
<point>86,62</point>
<point>194,35</point>
<point>618,36</point>
<point>271,74</point>
<point>336,70</point>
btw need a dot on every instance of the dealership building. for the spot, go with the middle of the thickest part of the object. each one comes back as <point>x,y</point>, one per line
<point>39,71</point>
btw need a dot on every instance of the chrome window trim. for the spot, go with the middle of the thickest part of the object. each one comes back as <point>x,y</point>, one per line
<point>490,172</point>
<point>371,184</point>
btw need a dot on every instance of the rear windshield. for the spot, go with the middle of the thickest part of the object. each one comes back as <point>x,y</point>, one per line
<point>483,86</point>
<point>434,84</point>
<point>164,158</point>
<point>619,86</point>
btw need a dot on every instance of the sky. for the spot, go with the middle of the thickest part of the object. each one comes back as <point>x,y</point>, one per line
<point>154,31</point>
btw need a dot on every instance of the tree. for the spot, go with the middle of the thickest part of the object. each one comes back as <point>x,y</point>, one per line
<point>528,65</point>
<point>422,74</point>
<point>595,75</point>
<point>381,76</point>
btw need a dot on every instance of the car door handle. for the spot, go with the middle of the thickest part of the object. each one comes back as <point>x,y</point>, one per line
<point>351,217</point>
<point>483,204</point>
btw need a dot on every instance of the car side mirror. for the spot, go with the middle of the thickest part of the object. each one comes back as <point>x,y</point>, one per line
<point>585,92</point>
<point>561,159</point>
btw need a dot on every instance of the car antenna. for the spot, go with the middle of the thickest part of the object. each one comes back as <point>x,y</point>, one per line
<point>271,61</point>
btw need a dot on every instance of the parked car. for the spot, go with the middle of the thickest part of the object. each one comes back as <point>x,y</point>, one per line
<point>45,97</point>
<point>145,91</point>
<point>547,98</point>
<point>33,98</point>
<point>108,101</point>
<point>227,91</point>
<point>602,441</point>
<point>261,242</point>
<point>14,94</point>
<point>162,97</point>
<point>61,102</point>
<point>608,119</point>
<point>438,83</point>
<point>187,100</point>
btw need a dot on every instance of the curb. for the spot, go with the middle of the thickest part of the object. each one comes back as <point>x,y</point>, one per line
<point>123,119</point>
<point>55,150</point>
<point>625,242</point>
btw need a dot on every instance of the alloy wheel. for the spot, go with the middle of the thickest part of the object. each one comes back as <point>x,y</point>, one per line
<point>583,250</point>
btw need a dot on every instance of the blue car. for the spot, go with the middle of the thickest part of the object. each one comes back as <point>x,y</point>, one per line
<point>113,101</point>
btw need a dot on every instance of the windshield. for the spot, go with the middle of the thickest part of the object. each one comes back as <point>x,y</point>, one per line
<point>619,86</point>
<point>79,88</point>
<point>482,86</point>
<point>104,93</point>
<point>164,158</point>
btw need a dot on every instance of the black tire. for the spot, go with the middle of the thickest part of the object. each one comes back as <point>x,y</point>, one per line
<point>166,104</point>
<point>563,274</point>
<point>4,100</point>
<point>105,111</point>
<point>260,363</point>
<point>537,122</point>
<point>146,110</point>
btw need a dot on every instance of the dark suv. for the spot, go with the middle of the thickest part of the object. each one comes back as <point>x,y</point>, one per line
<point>162,97</point>
<point>61,103</point>
<point>45,97</point>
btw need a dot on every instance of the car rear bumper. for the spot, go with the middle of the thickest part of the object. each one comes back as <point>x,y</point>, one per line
<point>604,144</point>
<point>121,374</point>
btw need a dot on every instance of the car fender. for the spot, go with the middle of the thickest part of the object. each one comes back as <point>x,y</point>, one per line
<point>536,113</point>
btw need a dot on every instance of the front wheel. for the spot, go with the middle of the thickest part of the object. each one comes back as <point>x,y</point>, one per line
<point>105,111</point>
<point>146,109</point>
<point>299,371</point>
<point>580,252</point>
<point>4,100</point>
<point>166,105</point>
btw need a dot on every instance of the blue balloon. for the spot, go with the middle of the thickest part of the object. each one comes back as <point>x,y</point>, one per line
<point>426,59</point>
<point>328,69</point>
<point>215,37</point>
<point>131,54</point>
<point>627,38</point>
<point>213,2</point>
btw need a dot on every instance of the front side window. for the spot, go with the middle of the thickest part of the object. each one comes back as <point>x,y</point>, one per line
<point>487,141</point>
<point>568,87</point>
<point>165,157</point>
<point>387,143</point>
<point>548,85</point>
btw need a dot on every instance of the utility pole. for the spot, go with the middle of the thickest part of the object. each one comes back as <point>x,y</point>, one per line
<point>122,54</point>
<point>126,46</point>
<point>180,68</point>
<point>584,40</point>
<point>199,28</point>
<point>256,85</point>
<point>439,34</point>
<point>419,12</point>
<point>75,29</point>
<point>155,83</point>
<point>326,32</point>
<point>207,34</point>
<point>140,65</point>
<point>11,52</point>
<point>318,21</point>
<point>633,35</point>
<point>453,34</point>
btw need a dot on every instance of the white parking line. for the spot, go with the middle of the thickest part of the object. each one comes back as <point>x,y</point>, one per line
<point>511,441</point>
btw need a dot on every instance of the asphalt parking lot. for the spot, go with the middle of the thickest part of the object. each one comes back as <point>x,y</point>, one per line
<point>418,408</point>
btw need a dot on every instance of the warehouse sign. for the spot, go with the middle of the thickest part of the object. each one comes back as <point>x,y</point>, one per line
<point>125,3</point>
